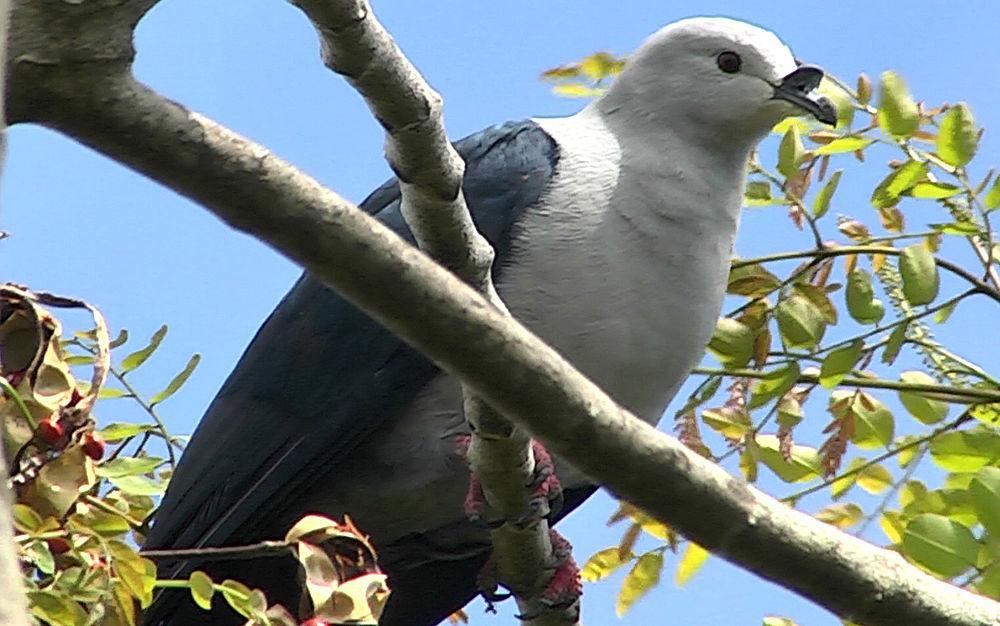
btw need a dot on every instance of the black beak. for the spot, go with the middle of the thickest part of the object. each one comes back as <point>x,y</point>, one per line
<point>798,88</point>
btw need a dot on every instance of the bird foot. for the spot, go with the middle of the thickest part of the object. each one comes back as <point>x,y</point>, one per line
<point>564,589</point>
<point>544,499</point>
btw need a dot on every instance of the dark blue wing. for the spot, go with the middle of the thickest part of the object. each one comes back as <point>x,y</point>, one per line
<point>321,375</point>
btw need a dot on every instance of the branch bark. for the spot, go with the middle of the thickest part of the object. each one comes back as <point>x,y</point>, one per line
<point>102,106</point>
<point>356,46</point>
<point>13,608</point>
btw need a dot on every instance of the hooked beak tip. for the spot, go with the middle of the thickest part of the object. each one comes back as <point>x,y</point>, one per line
<point>799,88</point>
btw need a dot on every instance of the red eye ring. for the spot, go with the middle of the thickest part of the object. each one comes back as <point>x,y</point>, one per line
<point>729,62</point>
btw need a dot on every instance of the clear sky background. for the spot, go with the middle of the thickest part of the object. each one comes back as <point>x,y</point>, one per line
<point>84,226</point>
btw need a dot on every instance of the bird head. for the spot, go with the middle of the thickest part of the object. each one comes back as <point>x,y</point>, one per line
<point>717,77</point>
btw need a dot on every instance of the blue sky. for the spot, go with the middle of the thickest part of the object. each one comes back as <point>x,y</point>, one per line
<point>84,226</point>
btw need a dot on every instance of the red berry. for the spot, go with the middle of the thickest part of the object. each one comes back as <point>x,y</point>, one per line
<point>58,545</point>
<point>315,621</point>
<point>93,446</point>
<point>50,430</point>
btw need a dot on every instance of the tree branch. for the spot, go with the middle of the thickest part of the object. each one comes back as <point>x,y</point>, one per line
<point>355,45</point>
<point>102,106</point>
<point>13,609</point>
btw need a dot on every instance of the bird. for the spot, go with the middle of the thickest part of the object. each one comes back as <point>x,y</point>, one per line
<point>613,230</point>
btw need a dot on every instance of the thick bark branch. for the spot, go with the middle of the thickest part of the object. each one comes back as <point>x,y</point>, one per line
<point>355,45</point>
<point>13,609</point>
<point>258,193</point>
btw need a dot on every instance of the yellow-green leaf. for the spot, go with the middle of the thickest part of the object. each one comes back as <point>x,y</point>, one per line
<point>898,182</point>
<point>790,152</point>
<point>55,608</point>
<point>984,490</point>
<point>841,515</point>
<point>602,564</point>
<point>644,575</point>
<point>874,479</point>
<point>800,321</point>
<point>732,342</point>
<point>957,136</point>
<point>920,274</point>
<point>860,297</point>
<point>774,384</point>
<point>839,363</point>
<point>577,90</point>
<point>202,589</point>
<point>752,281</point>
<point>843,145</point>
<point>804,466</point>
<point>821,203</point>
<point>693,559</point>
<point>897,112</point>
<point>892,525</point>
<point>139,357</point>
<point>840,486</point>
<point>873,423</point>
<point>934,191</point>
<point>729,422</point>
<point>941,545</point>
<point>992,199</point>
<point>965,450</point>
<point>925,409</point>
<point>774,620</point>
<point>177,381</point>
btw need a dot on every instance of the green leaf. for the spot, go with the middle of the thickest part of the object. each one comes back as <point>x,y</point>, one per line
<point>899,181</point>
<point>117,431</point>
<point>821,203</point>
<point>577,90</point>
<point>965,450</point>
<point>897,112</point>
<point>873,423</point>
<point>752,281</point>
<point>958,136</point>
<point>120,340</point>
<point>137,573</point>
<point>139,357</point>
<point>728,422</point>
<point>776,383</point>
<point>843,515</point>
<point>860,296</point>
<point>128,466</point>
<point>874,479</point>
<point>645,575</point>
<point>800,321</point>
<point>202,589</point>
<point>790,152</point>
<point>138,485</point>
<point>992,199</point>
<point>732,342</point>
<point>842,145</point>
<point>79,359</point>
<point>177,382</point>
<point>984,490</point>
<point>26,519</point>
<point>604,563</point>
<point>839,364</point>
<point>962,229</point>
<point>804,466</point>
<point>774,620</point>
<point>895,342</point>
<point>920,274</point>
<point>56,609</point>
<point>840,486</point>
<point>925,409</point>
<point>693,559</point>
<point>758,193</point>
<point>941,545</point>
<point>934,191</point>
<point>110,393</point>
<point>819,297</point>
<point>41,556</point>
<point>237,595</point>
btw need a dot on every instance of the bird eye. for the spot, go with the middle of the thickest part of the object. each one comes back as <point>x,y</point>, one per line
<point>729,62</point>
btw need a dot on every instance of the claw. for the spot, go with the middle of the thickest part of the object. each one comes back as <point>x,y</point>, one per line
<point>563,591</point>
<point>546,491</point>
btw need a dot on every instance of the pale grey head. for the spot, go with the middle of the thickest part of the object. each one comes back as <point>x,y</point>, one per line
<point>715,78</point>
